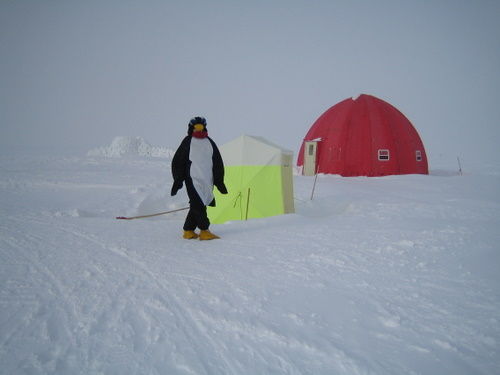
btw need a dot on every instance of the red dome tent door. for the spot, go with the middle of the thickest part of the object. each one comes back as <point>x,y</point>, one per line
<point>310,158</point>
<point>365,136</point>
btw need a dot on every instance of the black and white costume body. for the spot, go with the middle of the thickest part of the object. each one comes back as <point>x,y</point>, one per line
<point>198,163</point>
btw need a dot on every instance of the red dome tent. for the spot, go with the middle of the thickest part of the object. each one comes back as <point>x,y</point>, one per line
<point>362,137</point>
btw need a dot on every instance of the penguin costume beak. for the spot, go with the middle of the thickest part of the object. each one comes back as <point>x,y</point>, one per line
<point>198,127</point>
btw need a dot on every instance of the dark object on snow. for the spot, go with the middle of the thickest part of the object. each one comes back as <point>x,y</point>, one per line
<point>198,164</point>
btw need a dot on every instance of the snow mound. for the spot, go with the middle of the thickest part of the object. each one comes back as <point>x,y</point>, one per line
<point>131,146</point>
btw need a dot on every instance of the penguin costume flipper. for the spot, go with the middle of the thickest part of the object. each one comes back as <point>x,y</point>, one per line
<point>180,164</point>
<point>218,168</point>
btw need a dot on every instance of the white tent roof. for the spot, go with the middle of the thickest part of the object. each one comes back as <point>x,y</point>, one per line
<point>252,150</point>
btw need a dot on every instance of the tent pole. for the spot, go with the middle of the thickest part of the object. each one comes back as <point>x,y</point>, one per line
<point>248,202</point>
<point>314,185</point>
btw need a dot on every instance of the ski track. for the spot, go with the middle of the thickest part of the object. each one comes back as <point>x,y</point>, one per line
<point>365,285</point>
<point>119,309</point>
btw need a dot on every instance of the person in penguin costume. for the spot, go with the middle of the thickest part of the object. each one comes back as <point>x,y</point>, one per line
<point>198,163</point>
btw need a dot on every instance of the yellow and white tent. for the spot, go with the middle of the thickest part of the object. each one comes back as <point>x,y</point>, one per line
<point>259,180</point>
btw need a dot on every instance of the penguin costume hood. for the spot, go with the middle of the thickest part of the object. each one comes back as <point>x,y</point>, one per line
<point>198,163</point>
<point>201,127</point>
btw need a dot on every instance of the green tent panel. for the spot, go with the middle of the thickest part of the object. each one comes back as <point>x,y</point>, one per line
<point>258,176</point>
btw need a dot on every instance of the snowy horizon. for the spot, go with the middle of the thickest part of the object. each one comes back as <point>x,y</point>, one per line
<point>130,146</point>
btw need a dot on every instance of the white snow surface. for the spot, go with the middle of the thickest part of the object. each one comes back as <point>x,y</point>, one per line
<point>393,275</point>
<point>131,147</point>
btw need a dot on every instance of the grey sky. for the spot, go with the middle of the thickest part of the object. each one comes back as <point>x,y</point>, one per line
<point>74,74</point>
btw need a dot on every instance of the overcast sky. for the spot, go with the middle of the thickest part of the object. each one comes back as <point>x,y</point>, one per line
<point>74,74</point>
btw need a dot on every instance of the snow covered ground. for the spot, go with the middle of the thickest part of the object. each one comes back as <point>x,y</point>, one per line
<point>394,275</point>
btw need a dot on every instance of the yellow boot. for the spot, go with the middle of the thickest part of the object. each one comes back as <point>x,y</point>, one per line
<point>190,234</point>
<point>207,235</point>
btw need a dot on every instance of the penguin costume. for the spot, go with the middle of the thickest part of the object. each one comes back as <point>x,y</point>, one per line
<point>198,163</point>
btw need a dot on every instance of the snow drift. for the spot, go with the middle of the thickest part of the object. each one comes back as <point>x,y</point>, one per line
<point>131,146</point>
